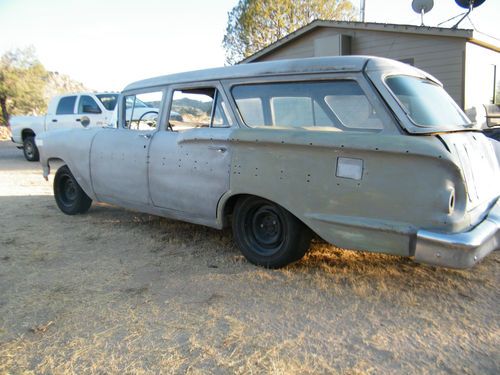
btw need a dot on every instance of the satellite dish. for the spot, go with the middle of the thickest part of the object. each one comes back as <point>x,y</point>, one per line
<point>469,4</point>
<point>423,6</point>
<point>420,6</point>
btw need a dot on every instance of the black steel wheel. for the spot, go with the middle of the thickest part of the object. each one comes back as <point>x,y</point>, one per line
<point>70,197</point>
<point>267,234</point>
<point>30,150</point>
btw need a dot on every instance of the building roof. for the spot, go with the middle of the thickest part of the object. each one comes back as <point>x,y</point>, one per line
<point>293,66</point>
<point>466,34</point>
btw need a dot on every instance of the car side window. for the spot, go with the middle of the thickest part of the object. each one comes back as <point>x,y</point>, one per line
<point>338,105</point>
<point>141,111</point>
<point>354,110</point>
<point>298,111</point>
<point>88,105</point>
<point>66,105</point>
<point>198,108</point>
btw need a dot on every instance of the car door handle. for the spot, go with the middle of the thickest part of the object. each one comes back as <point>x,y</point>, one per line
<point>54,120</point>
<point>145,136</point>
<point>218,148</point>
<point>78,120</point>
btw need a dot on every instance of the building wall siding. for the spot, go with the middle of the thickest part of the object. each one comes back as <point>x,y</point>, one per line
<point>479,82</point>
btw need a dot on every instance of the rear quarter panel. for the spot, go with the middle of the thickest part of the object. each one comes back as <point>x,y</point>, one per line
<point>405,184</point>
<point>20,123</point>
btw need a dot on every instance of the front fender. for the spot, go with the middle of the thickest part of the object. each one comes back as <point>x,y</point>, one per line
<point>72,146</point>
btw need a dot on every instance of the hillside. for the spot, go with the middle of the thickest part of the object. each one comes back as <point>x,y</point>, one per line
<point>57,83</point>
<point>191,106</point>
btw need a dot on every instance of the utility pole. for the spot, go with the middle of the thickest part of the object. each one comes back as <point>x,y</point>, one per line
<point>362,10</point>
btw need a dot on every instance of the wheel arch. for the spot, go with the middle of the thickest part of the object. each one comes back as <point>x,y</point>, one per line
<point>27,132</point>
<point>229,200</point>
<point>70,197</point>
<point>80,177</point>
<point>226,207</point>
<point>48,165</point>
<point>267,233</point>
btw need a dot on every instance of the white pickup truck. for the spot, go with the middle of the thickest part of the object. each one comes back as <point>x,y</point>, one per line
<point>83,109</point>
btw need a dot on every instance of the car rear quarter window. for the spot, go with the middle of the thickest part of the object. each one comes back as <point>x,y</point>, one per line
<point>66,105</point>
<point>252,109</point>
<point>337,105</point>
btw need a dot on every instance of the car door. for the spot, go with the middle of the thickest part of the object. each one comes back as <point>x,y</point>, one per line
<point>189,162</point>
<point>119,158</point>
<point>65,116</point>
<point>90,113</point>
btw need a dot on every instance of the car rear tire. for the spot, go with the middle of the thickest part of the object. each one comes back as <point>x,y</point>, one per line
<point>70,197</point>
<point>30,150</point>
<point>267,234</point>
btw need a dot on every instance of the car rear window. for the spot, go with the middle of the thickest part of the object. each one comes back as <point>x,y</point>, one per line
<point>426,103</point>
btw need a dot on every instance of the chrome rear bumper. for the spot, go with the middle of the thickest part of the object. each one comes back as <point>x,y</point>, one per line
<point>460,250</point>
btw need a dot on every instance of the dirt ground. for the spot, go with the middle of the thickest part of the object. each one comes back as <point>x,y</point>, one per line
<point>114,291</point>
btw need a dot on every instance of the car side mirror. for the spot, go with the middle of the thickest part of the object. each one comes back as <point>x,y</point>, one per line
<point>90,109</point>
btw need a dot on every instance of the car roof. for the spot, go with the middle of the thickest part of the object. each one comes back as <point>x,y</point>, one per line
<point>268,68</point>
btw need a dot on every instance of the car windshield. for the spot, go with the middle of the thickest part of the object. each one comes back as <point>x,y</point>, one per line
<point>427,104</point>
<point>108,100</point>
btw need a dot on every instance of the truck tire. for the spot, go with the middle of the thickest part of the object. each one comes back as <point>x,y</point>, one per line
<point>267,234</point>
<point>70,197</point>
<point>30,150</point>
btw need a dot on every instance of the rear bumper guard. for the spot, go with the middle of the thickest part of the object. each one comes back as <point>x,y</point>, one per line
<point>460,250</point>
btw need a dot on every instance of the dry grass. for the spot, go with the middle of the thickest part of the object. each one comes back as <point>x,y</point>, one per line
<point>118,292</point>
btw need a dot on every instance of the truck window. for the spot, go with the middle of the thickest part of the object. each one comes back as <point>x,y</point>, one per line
<point>108,100</point>
<point>66,105</point>
<point>88,105</point>
<point>339,105</point>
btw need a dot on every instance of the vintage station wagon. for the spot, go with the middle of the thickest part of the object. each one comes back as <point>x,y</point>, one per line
<point>367,153</point>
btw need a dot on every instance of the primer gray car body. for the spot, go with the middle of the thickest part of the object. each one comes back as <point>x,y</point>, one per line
<point>398,188</point>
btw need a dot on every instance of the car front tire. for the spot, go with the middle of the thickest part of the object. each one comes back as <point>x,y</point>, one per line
<point>30,150</point>
<point>70,197</point>
<point>267,234</point>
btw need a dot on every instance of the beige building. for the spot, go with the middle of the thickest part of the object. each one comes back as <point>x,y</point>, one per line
<point>466,62</point>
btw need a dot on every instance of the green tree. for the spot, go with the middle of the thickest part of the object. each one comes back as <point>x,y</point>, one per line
<point>22,84</point>
<point>255,24</point>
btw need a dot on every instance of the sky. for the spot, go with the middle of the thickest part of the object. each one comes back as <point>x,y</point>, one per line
<point>107,44</point>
